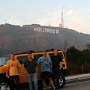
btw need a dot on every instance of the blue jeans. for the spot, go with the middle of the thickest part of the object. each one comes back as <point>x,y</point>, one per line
<point>34,77</point>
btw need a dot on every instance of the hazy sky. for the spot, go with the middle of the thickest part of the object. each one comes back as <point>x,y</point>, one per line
<point>76,13</point>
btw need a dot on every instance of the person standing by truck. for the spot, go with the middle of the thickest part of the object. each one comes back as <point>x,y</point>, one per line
<point>56,65</point>
<point>46,69</point>
<point>30,66</point>
<point>13,72</point>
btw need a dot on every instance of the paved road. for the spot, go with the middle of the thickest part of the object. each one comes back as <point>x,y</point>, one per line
<point>77,82</point>
<point>85,85</point>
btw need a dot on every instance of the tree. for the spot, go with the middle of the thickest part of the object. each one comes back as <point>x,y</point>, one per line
<point>87,46</point>
<point>86,56</point>
<point>65,47</point>
<point>73,55</point>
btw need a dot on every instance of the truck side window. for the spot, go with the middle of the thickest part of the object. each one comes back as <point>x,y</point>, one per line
<point>37,56</point>
<point>22,58</point>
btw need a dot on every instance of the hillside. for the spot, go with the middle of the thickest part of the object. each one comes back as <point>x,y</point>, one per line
<point>15,39</point>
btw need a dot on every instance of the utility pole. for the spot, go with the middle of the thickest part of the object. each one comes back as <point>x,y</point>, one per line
<point>65,47</point>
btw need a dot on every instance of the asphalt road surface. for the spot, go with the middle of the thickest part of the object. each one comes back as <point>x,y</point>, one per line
<point>84,85</point>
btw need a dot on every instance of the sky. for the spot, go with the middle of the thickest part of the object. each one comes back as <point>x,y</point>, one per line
<point>76,13</point>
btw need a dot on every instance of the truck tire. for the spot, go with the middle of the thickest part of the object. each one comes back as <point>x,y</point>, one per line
<point>4,85</point>
<point>61,80</point>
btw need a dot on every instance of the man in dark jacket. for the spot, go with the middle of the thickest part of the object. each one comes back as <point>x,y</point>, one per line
<point>56,65</point>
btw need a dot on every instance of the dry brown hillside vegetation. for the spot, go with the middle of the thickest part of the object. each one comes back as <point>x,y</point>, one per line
<point>19,39</point>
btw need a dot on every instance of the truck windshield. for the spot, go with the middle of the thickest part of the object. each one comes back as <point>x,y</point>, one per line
<point>3,60</point>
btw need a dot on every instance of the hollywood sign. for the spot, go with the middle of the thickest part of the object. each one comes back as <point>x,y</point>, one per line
<point>38,29</point>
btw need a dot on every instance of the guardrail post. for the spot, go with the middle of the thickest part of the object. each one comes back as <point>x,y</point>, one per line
<point>82,68</point>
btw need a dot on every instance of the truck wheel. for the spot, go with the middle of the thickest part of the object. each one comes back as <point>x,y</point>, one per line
<point>4,85</point>
<point>61,80</point>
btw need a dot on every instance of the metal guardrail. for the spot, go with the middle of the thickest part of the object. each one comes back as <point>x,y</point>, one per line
<point>80,76</point>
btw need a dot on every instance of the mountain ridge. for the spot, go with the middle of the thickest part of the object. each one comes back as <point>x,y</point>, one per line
<point>35,37</point>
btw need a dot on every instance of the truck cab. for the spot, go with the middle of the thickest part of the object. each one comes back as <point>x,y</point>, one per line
<point>4,82</point>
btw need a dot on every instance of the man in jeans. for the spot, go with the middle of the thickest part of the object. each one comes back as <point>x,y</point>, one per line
<point>30,66</point>
<point>56,65</point>
<point>13,72</point>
